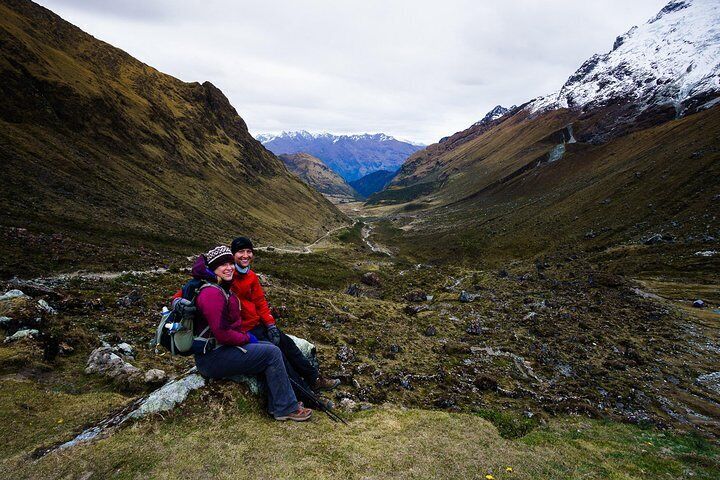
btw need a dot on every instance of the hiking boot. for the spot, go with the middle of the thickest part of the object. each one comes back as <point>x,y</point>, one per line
<point>300,415</point>
<point>326,404</point>
<point>323,383</point>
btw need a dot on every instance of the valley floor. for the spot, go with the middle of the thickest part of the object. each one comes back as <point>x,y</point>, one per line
<point>552,370</point>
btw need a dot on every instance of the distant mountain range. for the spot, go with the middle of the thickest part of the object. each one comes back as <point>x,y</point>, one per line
<point>625,149</point>
<point>319,176</point>
<point>351,156</point>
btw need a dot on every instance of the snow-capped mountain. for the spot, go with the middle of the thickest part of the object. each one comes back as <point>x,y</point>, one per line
<point>673,60</point>
<point>351,156</point>
<point>494,114</point>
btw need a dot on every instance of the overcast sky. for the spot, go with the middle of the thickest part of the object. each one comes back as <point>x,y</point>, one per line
<point>417,70</point>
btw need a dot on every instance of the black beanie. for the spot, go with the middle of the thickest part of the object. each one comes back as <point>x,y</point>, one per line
<point>218,256</point>
<point>241,243</point>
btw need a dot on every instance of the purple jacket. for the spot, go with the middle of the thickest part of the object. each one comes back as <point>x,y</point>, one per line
<point>222,316</point>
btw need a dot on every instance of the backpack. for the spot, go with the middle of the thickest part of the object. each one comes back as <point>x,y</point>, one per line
<point>178,335</point>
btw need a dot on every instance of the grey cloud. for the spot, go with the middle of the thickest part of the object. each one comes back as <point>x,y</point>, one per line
<point>416,70</point>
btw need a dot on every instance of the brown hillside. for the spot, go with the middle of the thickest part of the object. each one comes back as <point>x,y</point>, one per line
<point>498,196</point>
<point>95,141</point>
<point>315,173</point>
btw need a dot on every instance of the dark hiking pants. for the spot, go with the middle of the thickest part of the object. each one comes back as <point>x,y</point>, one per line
<point>299,368</point>
<point>263,359</point>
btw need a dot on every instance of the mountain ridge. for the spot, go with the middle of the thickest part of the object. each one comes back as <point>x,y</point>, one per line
<point>95,140</point>
<point>319,176</point>
<point>350,156</point>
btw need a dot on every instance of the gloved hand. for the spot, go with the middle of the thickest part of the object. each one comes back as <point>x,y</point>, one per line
<point>273,334</point>
<point>253,338</point>
<point>184,308</point>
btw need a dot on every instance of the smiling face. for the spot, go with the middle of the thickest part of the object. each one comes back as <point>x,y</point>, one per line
<point>244,257</point>
<point>225,271</point>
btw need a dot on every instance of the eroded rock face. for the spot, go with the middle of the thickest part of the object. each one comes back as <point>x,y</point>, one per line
<point>171,394</point>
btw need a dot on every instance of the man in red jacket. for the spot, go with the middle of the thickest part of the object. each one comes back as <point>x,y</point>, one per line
<point>257,319</point>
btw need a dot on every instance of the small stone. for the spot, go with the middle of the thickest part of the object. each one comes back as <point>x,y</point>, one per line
<point>710,381</point>
<point>475,328</point>
<point>45,307</point>
<point>430,331</point>
<point>132,298</point>
<point>699,304</point>
<point>354,290</point>
<point>155,376</point>
<point>104,361</point>
<point>346,354</point>
<point>415,309</point>
<point>395,348</point>
<point>4,321</point>
<point>20,334</point>
<point>530,316</point>
<point>372,279</point>
<point>11,294</point>
<point>416,296</point>
<point>348,404</point>
<point>653,239</point>
<point>466,297</point>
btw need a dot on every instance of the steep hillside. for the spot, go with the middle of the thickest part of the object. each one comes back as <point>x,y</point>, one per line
<point>319,176</point>
<point>372,182</point>
<point>351,156</point>
<point>654,191</point>
<point>106,148</point>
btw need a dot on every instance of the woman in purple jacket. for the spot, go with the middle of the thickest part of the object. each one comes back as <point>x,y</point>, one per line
<point>235,352</point>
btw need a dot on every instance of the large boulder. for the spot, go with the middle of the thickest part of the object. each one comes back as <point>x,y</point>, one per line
<point>105,361</point>
<point>20,334</point>
<point>169,395</point>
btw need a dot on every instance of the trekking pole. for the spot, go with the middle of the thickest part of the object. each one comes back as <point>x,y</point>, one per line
<point>333,416</point>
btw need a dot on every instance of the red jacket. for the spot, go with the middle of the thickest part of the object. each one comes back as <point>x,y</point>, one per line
<point>254,307</point>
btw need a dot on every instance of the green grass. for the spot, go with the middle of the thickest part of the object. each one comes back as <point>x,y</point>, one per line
<point>312,270</point>
<point>223,439</point>
<point>352,235</point>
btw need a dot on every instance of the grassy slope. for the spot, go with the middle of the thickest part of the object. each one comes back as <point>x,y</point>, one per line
<point>659,180</point>
<point>99,145</point>
<point>225,436</point>
<point>586,326</point>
